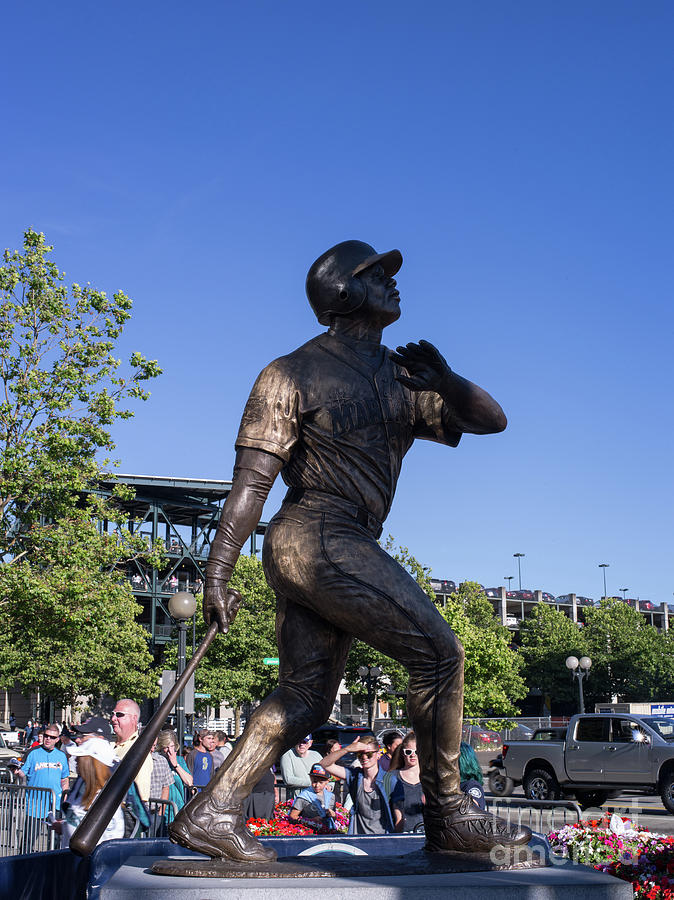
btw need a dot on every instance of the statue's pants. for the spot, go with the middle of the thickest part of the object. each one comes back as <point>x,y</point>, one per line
<point>333,582</point>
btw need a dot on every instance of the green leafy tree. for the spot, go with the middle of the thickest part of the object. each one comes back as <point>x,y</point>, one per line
<point>61,391</point>
<point>67,617</point>
<point>547,638</point>
<point>232,671</point>
<point>61,388</point>
<point>493,682</point>
<point>630,658</point>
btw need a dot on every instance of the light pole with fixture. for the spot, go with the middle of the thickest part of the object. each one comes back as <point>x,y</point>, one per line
<point>604,566</point>
<point>182,607</point>
<point>579,668</point>
<point>623,591</point>
<point>370,675</point>
<point>508,578</point>
<point>518,557</point>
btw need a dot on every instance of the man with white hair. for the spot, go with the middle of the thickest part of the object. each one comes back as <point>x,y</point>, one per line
<point>125,719</point>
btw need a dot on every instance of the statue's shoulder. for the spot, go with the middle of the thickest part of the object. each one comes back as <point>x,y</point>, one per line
<point>293,362</point>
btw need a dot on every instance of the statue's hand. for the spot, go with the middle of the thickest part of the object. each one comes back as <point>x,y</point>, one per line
<point>221,604</point>
<point>427,367</point>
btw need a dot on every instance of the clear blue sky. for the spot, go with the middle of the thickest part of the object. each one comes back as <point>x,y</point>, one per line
<point>200,156</point>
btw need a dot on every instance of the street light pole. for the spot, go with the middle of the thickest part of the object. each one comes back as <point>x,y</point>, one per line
<point>579,668</point>
<point>182,607</point>
<point>518,557</point>
<point>369,675</point>
<point>508,578</point>
<point>604,566</point>
<point>623,591</point>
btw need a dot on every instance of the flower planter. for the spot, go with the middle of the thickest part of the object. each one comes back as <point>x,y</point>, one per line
<point>614,846</point>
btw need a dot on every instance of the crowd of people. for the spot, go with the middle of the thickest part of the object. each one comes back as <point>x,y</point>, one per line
<point>73,764</point>
<point>382,788</point>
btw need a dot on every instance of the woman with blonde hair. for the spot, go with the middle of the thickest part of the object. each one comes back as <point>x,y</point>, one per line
<point>167,745</point>
<point>403,784</point>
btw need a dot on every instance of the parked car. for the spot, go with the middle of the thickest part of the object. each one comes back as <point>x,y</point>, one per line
<point>485,742</point>
<point>380,734</point>
<point>345,734</point>
<point>493,592</point>
<point>478,737</point>
<point>524,595</point>
<point>584,601</point>
<point>512,622</point>
<point>563,599</point>
<point>600,755</point>
<point>6,752</point>
<point>548,598</point>
<point>441,586</point>
<point>517,733</point>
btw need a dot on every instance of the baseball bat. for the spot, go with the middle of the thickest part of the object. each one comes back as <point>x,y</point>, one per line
<point>92,826</point>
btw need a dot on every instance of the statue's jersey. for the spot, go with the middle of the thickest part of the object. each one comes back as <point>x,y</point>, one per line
<point>335,413</point>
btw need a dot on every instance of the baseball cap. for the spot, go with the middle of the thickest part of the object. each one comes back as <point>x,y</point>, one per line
<point>100,750</point>
<point>305,739</point>
<point>318,771</point>
<point>94,725</point>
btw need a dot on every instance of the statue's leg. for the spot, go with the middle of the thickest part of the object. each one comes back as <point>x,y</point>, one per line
<point>355,585</point>
<point>312,657</point>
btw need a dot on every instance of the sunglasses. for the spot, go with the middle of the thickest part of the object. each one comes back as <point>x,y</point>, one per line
<point>409,752</point>
<point>119,715</point>
<point>364,755</point>
<point>52,737</point>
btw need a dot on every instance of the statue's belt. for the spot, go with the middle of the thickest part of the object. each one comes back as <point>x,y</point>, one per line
<point>331,502</point>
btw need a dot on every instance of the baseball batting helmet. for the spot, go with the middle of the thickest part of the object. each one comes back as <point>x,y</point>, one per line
<point>332,286</point>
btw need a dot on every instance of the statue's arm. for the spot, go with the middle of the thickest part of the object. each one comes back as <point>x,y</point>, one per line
<point>472,409</point>
<point>254,474</point>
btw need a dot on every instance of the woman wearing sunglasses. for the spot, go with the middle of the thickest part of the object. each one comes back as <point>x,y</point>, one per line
<point>407,799</point>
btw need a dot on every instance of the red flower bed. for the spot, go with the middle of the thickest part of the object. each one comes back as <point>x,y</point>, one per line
<point>281,825</point>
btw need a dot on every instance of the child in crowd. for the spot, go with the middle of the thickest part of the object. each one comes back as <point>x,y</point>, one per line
<point>315,805</point>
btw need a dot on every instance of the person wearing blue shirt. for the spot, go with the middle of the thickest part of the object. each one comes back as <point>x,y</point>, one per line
<point>44,767</point>
<point>199,759</point>
<point>315,804</point>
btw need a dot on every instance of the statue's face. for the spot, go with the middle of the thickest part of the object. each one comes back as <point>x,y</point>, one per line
<point>382,304</point>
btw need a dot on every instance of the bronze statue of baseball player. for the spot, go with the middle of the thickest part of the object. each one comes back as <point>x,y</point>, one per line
<point>336,417</point>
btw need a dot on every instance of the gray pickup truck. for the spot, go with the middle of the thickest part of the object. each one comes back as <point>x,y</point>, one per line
<point>600,756</point>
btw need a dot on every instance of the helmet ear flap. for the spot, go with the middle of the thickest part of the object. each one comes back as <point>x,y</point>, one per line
<point>350,295</point>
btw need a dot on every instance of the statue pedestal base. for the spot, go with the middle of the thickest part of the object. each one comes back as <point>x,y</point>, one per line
<point>341,869</point>
<point>339,861</point>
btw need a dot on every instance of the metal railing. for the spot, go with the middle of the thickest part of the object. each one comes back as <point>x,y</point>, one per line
<point>542,816</point>
<point>23,831</point>
<point>23,819</point>
<point>158,817</point>
<point>23,814</point>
